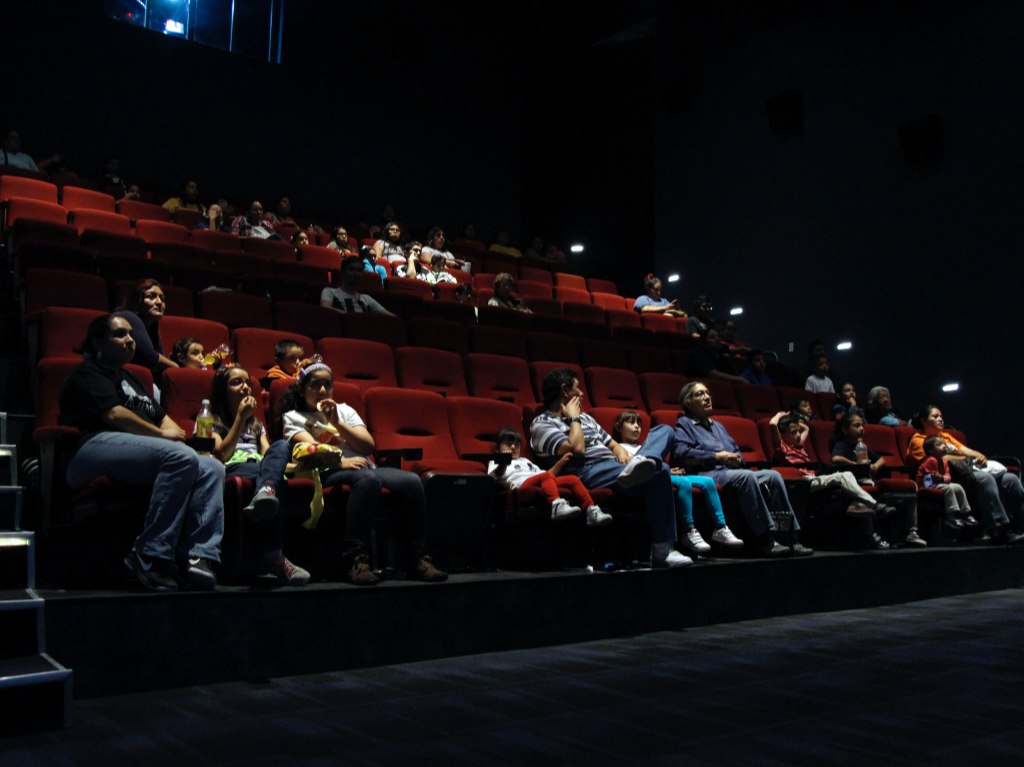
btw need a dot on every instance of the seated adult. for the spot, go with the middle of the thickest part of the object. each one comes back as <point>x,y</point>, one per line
<point>281,216</point>
<point>469,238</point>
<point>128,437</point>
<point>848,449</point>
<point>700,318</point>
<point>187,199</point>
<point>339,241</point>
<point>214,220</point>
<point>312,415</point>
<point>504,298</point>
<point>389,247</point>
<point>436,247</point>
<point>12,156</point>
<point>501,245</point>
<point>755,371</point>
<point>727,330</point>
<point>707,447</point>
<point>847,402</point>
<point>564,428</point>
<point>252,224</point>
<point>347,299</point>
<point>652,302</point>
<point>143,308</point>
<point>880,410</point>
<point>712,360</point>
<point>1000,496</point>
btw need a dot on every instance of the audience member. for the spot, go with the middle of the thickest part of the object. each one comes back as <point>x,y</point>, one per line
<point>522,473</point>
<point>847,402</point>
<point>252,224</point>
<point>313,416</point>
<point>700,320</point>
<point>818,380</point>
<point>711,360</point>
<point>504,294</point>
<point>707,446</point>
<point>755,371</point>
<point>849,449</point>
<point>143,308</point>
<point>999,493</point>
<point>110,181</point>
<point>300,239</point>
<point>880,409</point>
<point>564,429</point>
<point>291,358</point>
<point>436,273</point>
<point>189,353</point>
<point>501,245</point>
<point>281,216</point>
<point>241,443</point>
<point>370,263</point>
<point>347,298</point>
<point>127,437</point>
<point>12,156</point>
<point>187,199</point>
<point>535,249</point>
<point>389,247</point>
<point>727,330</point>
<point>802,408</point>
<point>436,247</point>
<point>553,254</point>
<point>339,241</point>
<point>470,239</point>
<point>652,301</point>
<point>933,472</point>
<point>214,219</point>
<point>627,432</point>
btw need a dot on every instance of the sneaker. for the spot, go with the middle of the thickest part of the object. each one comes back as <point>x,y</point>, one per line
<point>263,505</point>
<point>695,544</point>
<point>797,549</point>
<point>723,536</point>
<point>953,522</point>
<point>884,509</point>
<point>285,571</point>
<point>766,546</point>
<point>597,518</point>
<point>195,573</point>
<point>153,574</point>
<point>858,509</point>
<point>877,543</point>
<point>639,469</point>
<point>914,540</point>
<point>560,509</point>
<point>425,571</point>
<point>969,521</point>
<point>663,555</point>
<point>361,574</point>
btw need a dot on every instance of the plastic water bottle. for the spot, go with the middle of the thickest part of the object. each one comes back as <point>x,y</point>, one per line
<point>860,450</point>
<point>204,421</point>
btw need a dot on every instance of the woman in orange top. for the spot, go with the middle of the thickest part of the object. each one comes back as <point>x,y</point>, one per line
<point>993,488</point>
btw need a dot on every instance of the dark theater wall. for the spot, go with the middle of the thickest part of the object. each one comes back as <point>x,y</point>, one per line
<point>832,233</point>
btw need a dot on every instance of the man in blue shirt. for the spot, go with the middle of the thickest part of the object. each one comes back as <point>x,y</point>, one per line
<point>698,438</point>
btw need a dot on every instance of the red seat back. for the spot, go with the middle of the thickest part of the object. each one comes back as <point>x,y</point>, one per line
<point>359,362</point>
<point>614,388</point>
<point>431,370</point>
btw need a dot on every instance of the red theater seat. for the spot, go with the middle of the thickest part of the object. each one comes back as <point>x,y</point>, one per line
<point>359,362</point>
<point>431,370</point>
<point>500,378</point>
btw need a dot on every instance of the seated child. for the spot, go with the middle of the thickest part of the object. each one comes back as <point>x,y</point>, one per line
<point>755,370</point>
<point>934,472</point>
<point>290,360</point>
<point>802,409</point>
<point>522,472</point>
<point>189,353</point>
<point>789,433</point>
<point>627,433</point>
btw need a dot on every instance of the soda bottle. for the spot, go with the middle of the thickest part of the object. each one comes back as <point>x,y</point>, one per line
<point>860,450</point>
<point>204,421</point>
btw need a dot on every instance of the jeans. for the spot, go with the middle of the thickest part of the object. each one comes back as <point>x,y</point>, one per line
<point>268,471</point>
<point>657,492</point>
<point>993,492</point>
<point>752,503</point>
<point>364,494</point>
<point>186,508</point>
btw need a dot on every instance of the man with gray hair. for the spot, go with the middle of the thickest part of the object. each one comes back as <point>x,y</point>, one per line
<point>700,440</point>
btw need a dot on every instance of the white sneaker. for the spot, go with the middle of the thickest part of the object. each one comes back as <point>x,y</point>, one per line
<point>724,536</point>
<point>695,543</point>
<point>597,518</point>
<point>560,509</point>
<point>639,469</point>
<point>663,555</point>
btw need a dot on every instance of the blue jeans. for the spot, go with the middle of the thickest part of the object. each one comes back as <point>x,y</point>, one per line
<point>186,508</point>
<point>659,499</point>
<point>364,494</point>
<point>683,485</point>
<point>993,493</point>
<point>268,471</point>
<point>748,493</point>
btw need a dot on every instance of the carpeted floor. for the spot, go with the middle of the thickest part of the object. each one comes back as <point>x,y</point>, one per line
<point>935,682</point>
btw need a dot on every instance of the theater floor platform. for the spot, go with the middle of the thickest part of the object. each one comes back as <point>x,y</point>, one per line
<point>931,682</point>
<point>128,641</point>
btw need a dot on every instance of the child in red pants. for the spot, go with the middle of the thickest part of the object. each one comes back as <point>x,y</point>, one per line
<point>523,473</point>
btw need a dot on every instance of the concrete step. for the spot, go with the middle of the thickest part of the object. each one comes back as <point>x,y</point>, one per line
<point>17,559</point>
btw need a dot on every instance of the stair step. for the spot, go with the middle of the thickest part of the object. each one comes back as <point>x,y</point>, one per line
<point>35,694</point>
<point>17,560</point>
